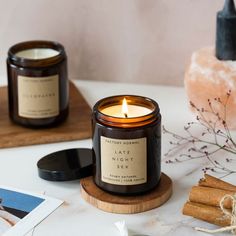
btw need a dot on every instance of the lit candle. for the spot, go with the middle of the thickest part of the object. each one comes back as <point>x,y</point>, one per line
<point>126,110</point>
<point>126,144</point>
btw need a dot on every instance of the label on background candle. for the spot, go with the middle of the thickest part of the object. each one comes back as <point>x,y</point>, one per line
<point>38,97</point>
<point>124,161</point>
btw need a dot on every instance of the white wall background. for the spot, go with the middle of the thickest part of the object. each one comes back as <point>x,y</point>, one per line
<point>146,41</point>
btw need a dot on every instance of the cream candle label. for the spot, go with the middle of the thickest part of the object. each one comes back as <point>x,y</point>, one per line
<point>124,161</point>
<point>38,97</point>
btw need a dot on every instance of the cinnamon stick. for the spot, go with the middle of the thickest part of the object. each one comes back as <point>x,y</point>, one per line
<point>210,196</point>
<point>210,214</point>
<point>210,181</point>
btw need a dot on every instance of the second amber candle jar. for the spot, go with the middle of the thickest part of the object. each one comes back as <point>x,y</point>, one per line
<point>127,144</point>
<point>37,83</point>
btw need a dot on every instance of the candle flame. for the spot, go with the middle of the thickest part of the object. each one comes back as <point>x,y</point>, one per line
<point>125,108</point>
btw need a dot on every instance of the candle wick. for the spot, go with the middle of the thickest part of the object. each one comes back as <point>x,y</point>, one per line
<point>126,115</point>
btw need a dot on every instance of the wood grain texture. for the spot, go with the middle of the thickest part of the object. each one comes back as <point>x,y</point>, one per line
<point>77,126</point>
<point>126,204</point>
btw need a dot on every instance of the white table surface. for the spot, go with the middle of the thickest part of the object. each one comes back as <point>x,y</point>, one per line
<point>77,217</point>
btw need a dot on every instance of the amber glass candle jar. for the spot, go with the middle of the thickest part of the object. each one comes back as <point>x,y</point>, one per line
<point>37,83</point>
<point>126,144</point>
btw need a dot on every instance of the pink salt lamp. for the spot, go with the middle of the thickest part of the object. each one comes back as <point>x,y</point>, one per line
<point>209,78</point>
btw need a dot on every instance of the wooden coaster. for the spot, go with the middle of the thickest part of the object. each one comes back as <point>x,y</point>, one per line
<point>126,204</point>
<point>77,126</point>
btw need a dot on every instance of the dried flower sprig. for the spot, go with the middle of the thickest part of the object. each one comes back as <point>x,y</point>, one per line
<point>215,136</point>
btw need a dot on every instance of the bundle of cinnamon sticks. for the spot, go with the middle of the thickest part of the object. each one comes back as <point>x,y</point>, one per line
<point>204,201</point>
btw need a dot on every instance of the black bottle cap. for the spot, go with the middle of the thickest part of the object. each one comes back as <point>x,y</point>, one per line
<point>226,32</point>
<point>66,165</point>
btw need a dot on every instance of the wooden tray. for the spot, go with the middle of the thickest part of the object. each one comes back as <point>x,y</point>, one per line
<point>77,126</point>
<point>126,204</point>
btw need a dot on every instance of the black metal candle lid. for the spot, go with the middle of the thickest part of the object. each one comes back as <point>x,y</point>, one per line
<point>66,165</point>
<point>226,32</point>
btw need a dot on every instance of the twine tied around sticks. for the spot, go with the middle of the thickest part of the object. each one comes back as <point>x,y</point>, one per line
<point>231,214</point>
